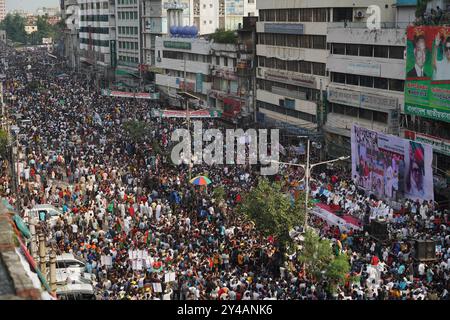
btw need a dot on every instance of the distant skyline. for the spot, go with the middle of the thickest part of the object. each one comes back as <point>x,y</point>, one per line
<point>30,5</point>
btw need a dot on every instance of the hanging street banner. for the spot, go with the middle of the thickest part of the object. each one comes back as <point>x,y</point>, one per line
<point>427,85</point>
<point>125,94</point>
<point>183,113</point>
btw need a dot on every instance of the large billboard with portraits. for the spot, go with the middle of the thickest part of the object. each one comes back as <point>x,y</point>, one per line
<point>390,167</point>
<point>427,85</point>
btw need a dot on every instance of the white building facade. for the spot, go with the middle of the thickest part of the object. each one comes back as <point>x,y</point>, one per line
<point>174,56</point>
<point>98,36</point>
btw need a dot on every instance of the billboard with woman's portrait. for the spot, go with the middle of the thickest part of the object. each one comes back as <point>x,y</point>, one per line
<point>390,167</point>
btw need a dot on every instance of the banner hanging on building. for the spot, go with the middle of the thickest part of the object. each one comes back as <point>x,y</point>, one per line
<point>125,94</point>
<point>427,85</point>
<point>183,113</point>
<point>391,167</point>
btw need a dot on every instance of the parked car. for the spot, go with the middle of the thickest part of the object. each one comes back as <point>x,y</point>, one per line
<point>67,266</point>
<point>44,212</point>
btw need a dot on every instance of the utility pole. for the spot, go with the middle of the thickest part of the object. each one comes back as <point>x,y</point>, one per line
<point>53,271</point>
<point>187,112</point>
<point>1,102</point>
<point>307,176</point>
<point>42,254</point>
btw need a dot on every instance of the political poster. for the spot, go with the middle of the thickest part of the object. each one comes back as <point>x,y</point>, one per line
<point>390,167</point>
<point>427,85</point>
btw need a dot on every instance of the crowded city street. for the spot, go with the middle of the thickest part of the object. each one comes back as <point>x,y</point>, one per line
<point>145,232</point>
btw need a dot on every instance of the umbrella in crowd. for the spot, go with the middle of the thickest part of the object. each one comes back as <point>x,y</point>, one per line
<point>200,181</point>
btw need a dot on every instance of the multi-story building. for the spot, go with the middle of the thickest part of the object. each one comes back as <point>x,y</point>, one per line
<point>2,9</point>
<point>128,33</point>
<point>154,23</point>
<point>98,38</point>
<point>71,33</point>
<point>29,29</point>
<point>367,72</point>
<point>233,76</point>
<point>48,11</point>
<point>292,57</point>
<point>186,65</point>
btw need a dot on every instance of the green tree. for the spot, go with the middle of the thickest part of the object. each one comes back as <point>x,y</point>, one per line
<point>14,25</point>
<point>219,194</point>
<point>272,210</point>
<point>338,268</point>
<point>3,144</point>
<point>224,36</point>
<point>137,130</point>
<point>316,253</point>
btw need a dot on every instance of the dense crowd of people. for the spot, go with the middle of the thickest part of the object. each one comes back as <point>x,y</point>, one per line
<point>133,216</point>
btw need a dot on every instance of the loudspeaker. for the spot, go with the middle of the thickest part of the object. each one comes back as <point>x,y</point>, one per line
<point>378,230</point>
<point>425,250</point>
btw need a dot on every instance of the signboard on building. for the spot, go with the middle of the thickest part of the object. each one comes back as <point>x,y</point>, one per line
<point>427,85</point>
<point>234,7</point>
<point>362,99</point>
<point>213,113</point>
<point>175,5</point>
<point>190,86</point>
<point>177,45</point>
<point>125,94</point>
<point>391,167</point>
<point>199,82</point>
<point>286,28</point>
<point>295,79</point>
<point>368,69</point>
<point>439,145</point>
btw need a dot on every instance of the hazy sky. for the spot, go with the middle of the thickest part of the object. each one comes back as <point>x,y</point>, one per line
<point>30,5</point>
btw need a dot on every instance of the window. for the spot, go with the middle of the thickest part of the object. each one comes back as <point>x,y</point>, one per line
<point>381,83</point>
<point>338,108</point>
<point>320,15</point>
<point>351,111</point>
<point>293,15</point>
<point>270,15</point>
<point>338,48</point>
<point>352,79</point>
<point>365,114</point>
<point>380,116</point>
<point>338,77</point>
<point>351,49</point>
<point>282,15</point>
<point>396,52</point>
<point>218,61</point>
<point>319,42</point>
<point>381,51</point>
<point>306,15</point>
<point>342,14</point>
<point>225,61</point>
<point>292,66</point>
<point>365,50</point>
<point>396,85</point>
<point>366,81</point>
<point>318,68</point>
<point>304,66</point>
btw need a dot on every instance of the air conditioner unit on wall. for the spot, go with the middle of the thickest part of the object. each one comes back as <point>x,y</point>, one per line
<point>360,14</point>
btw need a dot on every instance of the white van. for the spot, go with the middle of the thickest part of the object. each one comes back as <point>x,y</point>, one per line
<point>75,291</point>
<point>44,212</point>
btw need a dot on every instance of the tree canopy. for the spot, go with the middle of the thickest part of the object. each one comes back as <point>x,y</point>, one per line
<point>272,210</point>
<point>14,25</point>
<point>224,36</point>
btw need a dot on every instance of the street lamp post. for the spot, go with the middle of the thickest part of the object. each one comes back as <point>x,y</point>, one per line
<point>308,167</point>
